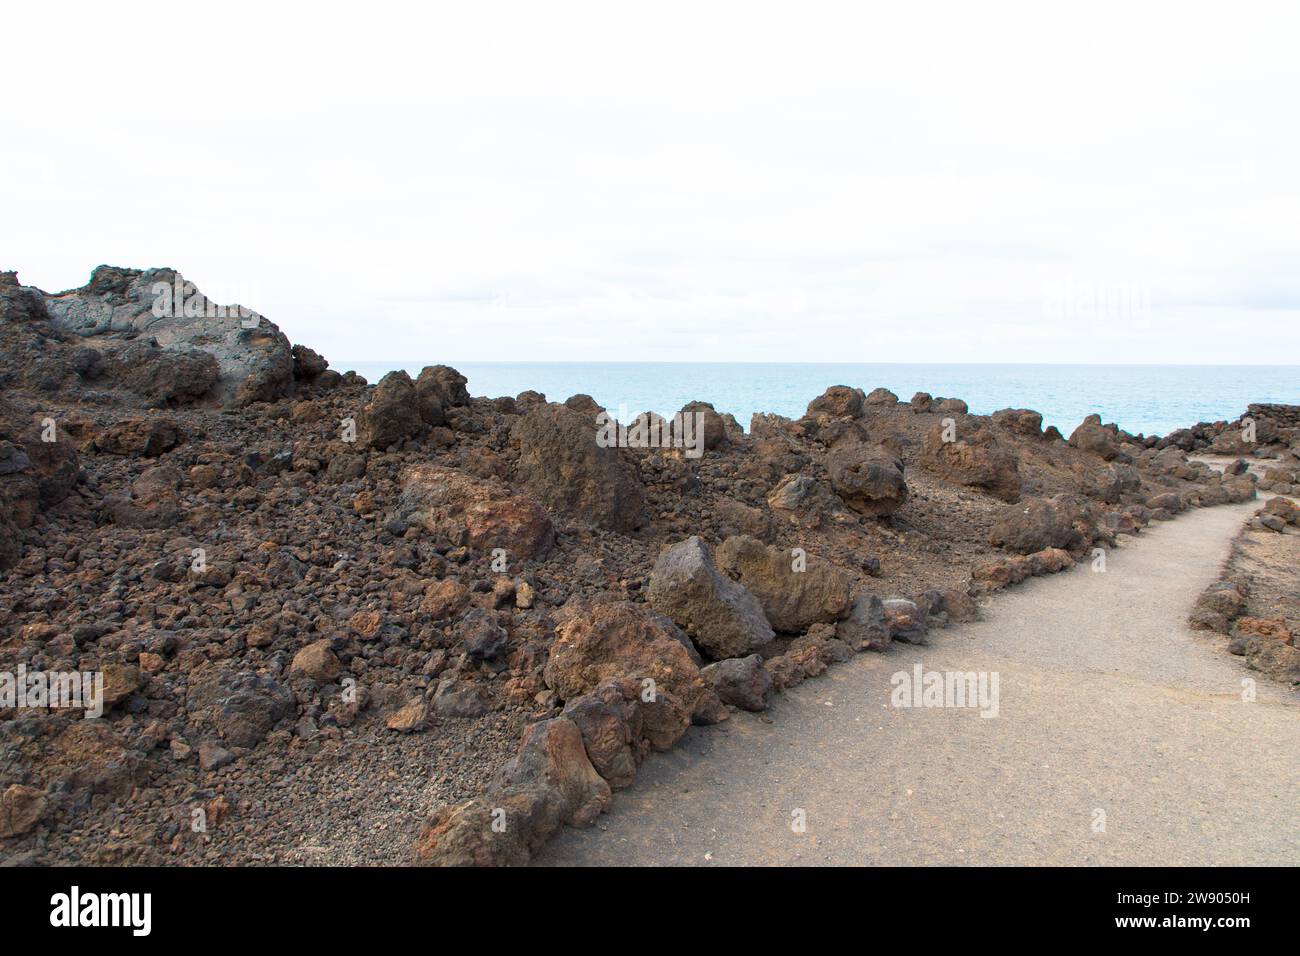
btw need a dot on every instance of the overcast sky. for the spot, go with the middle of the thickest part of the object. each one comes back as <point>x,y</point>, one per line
<point>704,182</point>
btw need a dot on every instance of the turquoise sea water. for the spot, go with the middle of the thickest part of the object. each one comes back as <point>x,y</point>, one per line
<point>1150,399</point>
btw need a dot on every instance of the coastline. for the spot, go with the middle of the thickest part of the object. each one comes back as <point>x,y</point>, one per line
<point>1141,399</point>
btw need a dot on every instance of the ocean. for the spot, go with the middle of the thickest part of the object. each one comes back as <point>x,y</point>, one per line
<point>1147,399</point>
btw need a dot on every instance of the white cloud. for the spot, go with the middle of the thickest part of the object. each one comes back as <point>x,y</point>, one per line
<point>908,182</point>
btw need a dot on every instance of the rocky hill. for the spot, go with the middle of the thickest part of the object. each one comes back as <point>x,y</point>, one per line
<point>327,613</point>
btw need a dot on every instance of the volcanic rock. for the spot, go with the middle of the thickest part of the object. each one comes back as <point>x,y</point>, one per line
<point>721,616</point>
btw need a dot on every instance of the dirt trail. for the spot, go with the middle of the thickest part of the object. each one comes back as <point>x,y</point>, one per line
<point>1108,702</point>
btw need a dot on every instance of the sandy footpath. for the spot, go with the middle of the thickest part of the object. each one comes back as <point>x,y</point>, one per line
<point>1108,704</point>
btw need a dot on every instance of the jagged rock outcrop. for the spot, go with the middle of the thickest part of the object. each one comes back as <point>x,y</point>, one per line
<point>255,358</point>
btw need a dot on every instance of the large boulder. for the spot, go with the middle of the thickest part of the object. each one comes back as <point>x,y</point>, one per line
<point>974,458</point>
<point>611,720</point>
<point>805,501</point>
<point>905,621</point>
<point>479,513</point>
<point>719,614</point>
<point>795,591</point>
<point>715,425</point>
<point>867,478</point>
<point>439,388</point>
<point>1093,436</point>
<point>740,681</point>
<point>1278,659</point>
<point>865,628</point>
<point>838,401</point>
<point>241,706</point>
<point>627,641</point>
<point>550,782</point>
<point>393,413</point>
<point>153,500</point>
<point>552,762</point>
<point>1063,521</point>
<point>1022,421</point>
<point>255,359</point>
<point>139,437</point>
<point>562,465</point>
<point>443,384</point>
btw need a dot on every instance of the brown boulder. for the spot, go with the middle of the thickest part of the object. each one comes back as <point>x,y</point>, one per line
<point>1022,421</point>
<point>865,628</point>
<point>740,681</point>
<point>443,386</point>
<point>626,641</point>
<point>838,401</point>
<point>1274,658</point>
<point>612,721</point>
<point>715,426</point>
<point>720,615</point>
<point>975,458</point>
<point>880,396</point>
<point>548,783</point>
<point>561,464</point>
<point>444,599</point>
<point>476,512</point>
<point>867,478</point>
<point>21,808</point>
<point>1092,436</point>
<point>805,501</point>
<point>393,413</point>
<point>1063,521</point>
<point>139,437</point>
<point>795,591</point>
<point>317,661</point>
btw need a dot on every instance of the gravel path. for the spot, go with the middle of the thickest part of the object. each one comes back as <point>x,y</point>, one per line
<point>1108,704</point>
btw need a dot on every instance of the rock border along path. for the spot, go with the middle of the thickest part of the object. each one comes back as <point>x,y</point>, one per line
<point>1108,702</point>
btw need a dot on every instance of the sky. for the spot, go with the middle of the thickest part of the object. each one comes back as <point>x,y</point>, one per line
<point>850,182</point>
